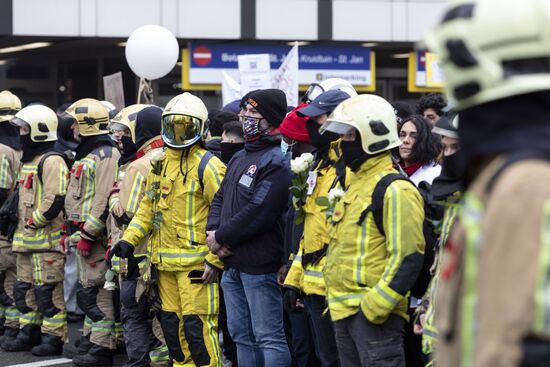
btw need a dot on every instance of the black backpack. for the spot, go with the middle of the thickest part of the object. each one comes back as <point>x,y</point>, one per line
<point>430,236</point>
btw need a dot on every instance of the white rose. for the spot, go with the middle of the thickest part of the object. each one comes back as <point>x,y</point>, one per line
<point>157,155</point>
<point>335,194</point>
<point>297,165</point>
<point>110,286</point>
<point>308,158</point>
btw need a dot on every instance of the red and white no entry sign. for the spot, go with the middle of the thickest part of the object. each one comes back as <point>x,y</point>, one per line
<point>202,55</point>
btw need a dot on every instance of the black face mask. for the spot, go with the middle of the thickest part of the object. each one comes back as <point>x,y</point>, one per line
<point>128,150</point>
<point>453,165</point>
<point>320,142</point>
<point>353,154</point>
<point>32,149</point>
<point>128,146</point>
<point>228,150</point>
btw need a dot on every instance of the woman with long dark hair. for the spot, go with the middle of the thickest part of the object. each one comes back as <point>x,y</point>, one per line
<point>419,150</point>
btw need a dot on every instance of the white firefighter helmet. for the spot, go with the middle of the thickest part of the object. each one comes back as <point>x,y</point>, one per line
<point>126,119</point>
<point>9,105</point>
<point>91,115</point>
<point>316,89</point>
<point>41,121</point>
<point>372,116</point>
<point>493,49</point>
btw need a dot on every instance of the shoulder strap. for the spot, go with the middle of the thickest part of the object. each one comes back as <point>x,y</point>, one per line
<point>202,166</point>
<point>510,160</point>
<point>377,204</point>
<point>43,159</point>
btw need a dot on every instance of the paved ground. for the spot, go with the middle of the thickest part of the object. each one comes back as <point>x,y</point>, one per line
<point>26,359</point>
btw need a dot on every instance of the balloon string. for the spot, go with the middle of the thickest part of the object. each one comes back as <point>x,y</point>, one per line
<point>146,91</point>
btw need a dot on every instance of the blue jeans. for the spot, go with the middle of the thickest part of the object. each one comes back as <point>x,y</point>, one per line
<point>255,318</point>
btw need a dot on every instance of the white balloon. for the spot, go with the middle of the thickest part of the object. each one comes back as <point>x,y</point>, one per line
<point>152,51</point>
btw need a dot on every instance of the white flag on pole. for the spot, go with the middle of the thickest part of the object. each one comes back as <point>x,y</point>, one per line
<point>286,77</point>
<point>231,90</point>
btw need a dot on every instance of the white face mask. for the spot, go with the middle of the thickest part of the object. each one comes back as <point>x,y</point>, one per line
<point>284,147</point>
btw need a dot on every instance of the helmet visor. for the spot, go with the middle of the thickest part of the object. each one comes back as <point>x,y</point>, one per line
<point>313,92</point>
<point>16,121</point>
<point>336,127</point>
<point>180,131</point>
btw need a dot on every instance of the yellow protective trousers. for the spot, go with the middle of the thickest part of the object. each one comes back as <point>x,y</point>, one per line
<point>38,292</point>
<point>189,318</point>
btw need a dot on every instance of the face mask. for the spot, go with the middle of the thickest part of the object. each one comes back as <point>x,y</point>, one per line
<point>128,146</point>
<point>353,154</point>
<point>453,165</point>
<point>251,128</point>
<point>286,148</point>
<point>228,150</point>
<point>317,140</point>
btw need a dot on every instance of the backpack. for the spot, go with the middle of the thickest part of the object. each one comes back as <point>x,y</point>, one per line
<point>430,236</point>
<point>202,166</point>
<point>40,169</point>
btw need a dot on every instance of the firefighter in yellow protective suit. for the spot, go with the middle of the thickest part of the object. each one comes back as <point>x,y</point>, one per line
<point>143,337</point>
<point>306,272</point>
<point>174,211</point>
<point>10,155</point>
<point>38,291</point>
<point>92,178</point>
<point>369,274</point>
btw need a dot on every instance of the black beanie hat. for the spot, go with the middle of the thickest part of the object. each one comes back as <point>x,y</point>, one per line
<point>270,103</point>
<point>148,123</point>
<point>217,118</point>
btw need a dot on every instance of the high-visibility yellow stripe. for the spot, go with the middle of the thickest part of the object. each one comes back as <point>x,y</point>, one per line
<point>541,320</point>
<point>63,171</point>
<point>38,218</point>
<point>4,173</point>
<point>191,212</point>
<point>95,223</point>
<point>213,337</point>
<point>37,242</point>
<point>138,226</point>
<point>28,318</point>
<point>137,187</point>
<point>471,215</point>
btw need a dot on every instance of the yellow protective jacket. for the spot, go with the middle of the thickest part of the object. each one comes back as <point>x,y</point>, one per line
<point>90,183</point>
<point>305,275</point>
<point>9,170</point>
<point>41,201</point>
<point>175,209</point>
<point>129,193</point>
<point>364,268</point>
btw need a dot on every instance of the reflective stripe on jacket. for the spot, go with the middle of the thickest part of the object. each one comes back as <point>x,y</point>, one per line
<point>36,198</point>
<point>175,208</point>
<point>364,268</point>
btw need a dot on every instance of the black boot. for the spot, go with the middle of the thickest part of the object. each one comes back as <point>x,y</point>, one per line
<point>84,344</point>
<point>96,356</point>
<point>28,337</point>
<point>51,345</point>
<point>9,336</point>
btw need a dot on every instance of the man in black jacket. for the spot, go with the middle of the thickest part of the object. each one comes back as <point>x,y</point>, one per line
<point>245,230</point>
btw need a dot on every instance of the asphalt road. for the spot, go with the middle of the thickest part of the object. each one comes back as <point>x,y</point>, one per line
<point>24,358</point>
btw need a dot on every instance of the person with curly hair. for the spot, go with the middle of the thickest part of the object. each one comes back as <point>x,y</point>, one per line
<point>419,150</point>
<point>430,106</point>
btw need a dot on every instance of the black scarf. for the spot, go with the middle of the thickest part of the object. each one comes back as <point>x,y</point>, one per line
<point>129,150</point>
<point>451,178</point>
<point>9,135</point>
<point>89,143</point>
<point>33,149</point>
